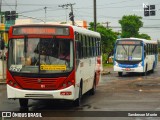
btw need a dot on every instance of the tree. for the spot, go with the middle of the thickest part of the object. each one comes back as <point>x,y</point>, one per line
<point>130,25</point>
<point>108,38</point>
<point>144,36</point>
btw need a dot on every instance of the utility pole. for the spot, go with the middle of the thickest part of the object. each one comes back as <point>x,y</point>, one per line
<point>71,15</point>
<point>45,8</point>
<point>16,6</point>
<point>107,24</point>
<point>65,7</point>
<point>0,11</point>
<point>95,15</point>
<point>71,5</point>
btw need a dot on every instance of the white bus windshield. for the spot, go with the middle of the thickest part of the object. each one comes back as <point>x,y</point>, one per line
<point>128,52</point>
<point>40,55</point>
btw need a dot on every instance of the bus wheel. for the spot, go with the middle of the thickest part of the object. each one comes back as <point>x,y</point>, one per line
<point>145,73</point>
<point>152,71</point>
<point>120,74</point>
<point>23,104</point>
<point>77,102</point>
<point>93,90</point>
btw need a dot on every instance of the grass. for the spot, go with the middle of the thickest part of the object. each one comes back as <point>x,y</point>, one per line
<point>108,65</point>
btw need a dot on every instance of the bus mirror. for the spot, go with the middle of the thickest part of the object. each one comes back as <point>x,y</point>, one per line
<point>2,44</point>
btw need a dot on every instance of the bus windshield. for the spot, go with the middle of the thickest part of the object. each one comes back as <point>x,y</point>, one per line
<point>128,52</point>
<point>40,55</point>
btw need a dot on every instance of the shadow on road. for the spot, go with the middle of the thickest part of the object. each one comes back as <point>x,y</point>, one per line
<point>36,105</point>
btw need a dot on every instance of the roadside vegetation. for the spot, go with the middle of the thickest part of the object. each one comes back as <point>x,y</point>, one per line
<point>130,25</point>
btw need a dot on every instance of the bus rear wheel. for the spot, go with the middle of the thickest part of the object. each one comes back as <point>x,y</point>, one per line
<point>93,90</point>
<point>145,73</point>
<point>120,74</point>
<point>23,104</point>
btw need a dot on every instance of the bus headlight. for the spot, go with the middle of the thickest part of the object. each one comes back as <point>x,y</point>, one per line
<point>140,64</point>
<point>116,64</point>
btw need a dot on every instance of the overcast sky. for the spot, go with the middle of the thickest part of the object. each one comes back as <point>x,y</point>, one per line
<point>107,11</point>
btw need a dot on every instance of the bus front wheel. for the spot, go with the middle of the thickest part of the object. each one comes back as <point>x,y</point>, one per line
<point>77,102</point>
<point>145,72</point>
<point>120,74</point>
<point>23,104</point>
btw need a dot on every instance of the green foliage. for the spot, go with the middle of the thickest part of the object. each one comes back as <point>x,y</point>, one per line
<point>108,65</point>
<point>144,36</point>
<point>108,37</point>
<point>130,25</point>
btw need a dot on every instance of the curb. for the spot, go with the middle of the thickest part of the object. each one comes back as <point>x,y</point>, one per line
<point>2,82</point>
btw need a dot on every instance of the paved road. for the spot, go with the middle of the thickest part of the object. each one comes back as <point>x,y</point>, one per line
<point>132,92</point>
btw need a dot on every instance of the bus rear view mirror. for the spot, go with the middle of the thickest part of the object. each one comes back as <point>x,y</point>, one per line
<point>2,44</point>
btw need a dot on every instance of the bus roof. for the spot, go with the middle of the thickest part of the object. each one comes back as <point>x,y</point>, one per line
<point>144,40</point>
<point>75,28</point>
<point>86,31</point>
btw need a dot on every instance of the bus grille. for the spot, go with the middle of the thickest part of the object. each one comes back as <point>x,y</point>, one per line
<point>39,83</point>
<point>38,96</point>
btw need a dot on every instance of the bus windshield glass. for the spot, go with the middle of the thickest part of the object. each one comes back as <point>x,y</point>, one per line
<point>128,52</point>
<point>40,55</point>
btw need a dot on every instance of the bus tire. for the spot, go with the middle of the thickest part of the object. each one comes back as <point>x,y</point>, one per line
<point>77,102</point>
<point>152,71</point>
<point>23,104</point>
<point>93,90</point>
<point>120,74</point>
<point>145,73</point>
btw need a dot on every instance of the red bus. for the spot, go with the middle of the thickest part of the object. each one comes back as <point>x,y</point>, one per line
<point>52,62</point>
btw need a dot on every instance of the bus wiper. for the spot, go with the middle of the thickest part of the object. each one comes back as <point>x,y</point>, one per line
<point>134,48</point>
<point>25,44</point>
<point>124,49</point>
<point>25,47</point>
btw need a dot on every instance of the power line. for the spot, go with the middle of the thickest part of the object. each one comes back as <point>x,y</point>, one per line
<point>8,6</point>
<point>95,14</point>
<point>64,7</point>
<point>71,14</point>
<point>21,4</point>
<point>35,10</point>
<point>117,2</point>
<point>32,17</point>
<point>45,8</point>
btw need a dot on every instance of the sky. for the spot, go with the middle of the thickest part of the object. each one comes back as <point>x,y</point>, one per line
<point>107,11</point>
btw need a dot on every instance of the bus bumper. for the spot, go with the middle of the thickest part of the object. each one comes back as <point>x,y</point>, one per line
<point>120,69</point>
<point>67,93</point>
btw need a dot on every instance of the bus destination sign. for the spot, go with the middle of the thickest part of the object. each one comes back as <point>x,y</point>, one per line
<point>125,42</point>
<point>40,30</point>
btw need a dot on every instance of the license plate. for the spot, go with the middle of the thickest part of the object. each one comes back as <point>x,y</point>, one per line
<point>128,69</point>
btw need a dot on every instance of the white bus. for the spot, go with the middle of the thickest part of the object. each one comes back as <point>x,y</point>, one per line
<point>135,55</point>
<point>52,62</point>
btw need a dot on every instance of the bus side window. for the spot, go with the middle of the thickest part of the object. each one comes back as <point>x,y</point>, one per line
<point>78,49</point>
<point>145,51</point>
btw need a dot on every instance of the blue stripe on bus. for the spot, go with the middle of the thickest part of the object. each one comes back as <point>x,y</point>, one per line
<point>128,66</point>
<point>143,57</point>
